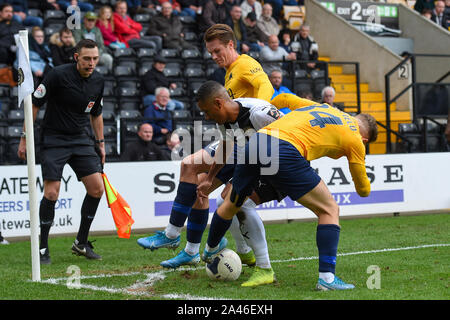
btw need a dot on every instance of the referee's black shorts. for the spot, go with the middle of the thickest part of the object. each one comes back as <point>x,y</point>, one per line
<point>83,159</point>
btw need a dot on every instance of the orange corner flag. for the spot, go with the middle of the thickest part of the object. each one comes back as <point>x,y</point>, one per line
<point>120,210</point>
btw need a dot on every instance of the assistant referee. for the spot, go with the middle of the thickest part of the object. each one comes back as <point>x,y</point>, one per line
<point>72,132</point>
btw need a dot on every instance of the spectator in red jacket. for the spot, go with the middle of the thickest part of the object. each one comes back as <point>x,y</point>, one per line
<point>127,30</point>
<point>105,23</point>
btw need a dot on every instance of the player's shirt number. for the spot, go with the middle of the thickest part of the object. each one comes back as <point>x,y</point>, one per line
<point>321,118</point>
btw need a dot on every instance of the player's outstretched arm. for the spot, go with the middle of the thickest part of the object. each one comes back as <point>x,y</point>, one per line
<point>291,101</point>
<point>223,151</point>
<point>359,175</point>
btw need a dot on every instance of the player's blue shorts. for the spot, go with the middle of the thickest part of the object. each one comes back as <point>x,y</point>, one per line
<point>279,162</point>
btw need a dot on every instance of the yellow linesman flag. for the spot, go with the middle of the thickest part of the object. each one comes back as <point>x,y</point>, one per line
<point>120,210</point>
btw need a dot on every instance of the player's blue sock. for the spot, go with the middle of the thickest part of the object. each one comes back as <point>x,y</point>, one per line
<point>197,221</point>
<point>217,230</point>
<point>327,239</point>
<point>185,199</point>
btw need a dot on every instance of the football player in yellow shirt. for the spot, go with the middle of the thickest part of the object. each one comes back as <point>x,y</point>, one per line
<point>305,134</point>
<point>244,75</point>
<point>244,78</point>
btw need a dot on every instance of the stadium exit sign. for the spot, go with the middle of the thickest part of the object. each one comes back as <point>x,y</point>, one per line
<point>372,18</point>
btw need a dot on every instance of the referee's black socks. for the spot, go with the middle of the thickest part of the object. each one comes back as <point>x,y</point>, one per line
<point>88,210</point>
<point>46,216</point>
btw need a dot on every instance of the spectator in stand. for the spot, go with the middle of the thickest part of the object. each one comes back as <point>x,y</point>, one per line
<point>143,149</point>
<point>218,75</point>
<point>190,8</point>
<point>272,55</point>
<point>305,47</point>
<point>267,23</point>
<point>277,6</point>
<point>20,13</point>
<point>427,13</point>
<point>45,5</point>
<point>105,23</point>
<point>307,94</point>
<point>62,47</point>
<point>172,150</point>
<point>175,6</point>
<point>169,27</point>
<point>423,4</point>
<point>159,116</point>
<point>248,6</point>
<point>214,12</point>
<point>285,40</point>
<point>155,78</point>
<point>240,30</point>
<point>127,30</point>
<point>327,96</point>
<point>83,5</point>
<point>8,27</point>
<point>146,6</point>
<point>276,78</point>
<point>447,13</point>
<point>89,31</point>
<point>438,15</point>
<point>40,55</point>
<point>255,36</point>
<point>139,6</point>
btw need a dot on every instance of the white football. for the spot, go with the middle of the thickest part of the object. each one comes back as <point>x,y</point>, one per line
<point>225,266</point>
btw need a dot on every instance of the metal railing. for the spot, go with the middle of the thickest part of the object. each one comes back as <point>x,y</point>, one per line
<point>413,85</point>
<point>357,83</point>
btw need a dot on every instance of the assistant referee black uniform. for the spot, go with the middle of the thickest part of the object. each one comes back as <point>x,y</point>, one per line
<point>66,135</point>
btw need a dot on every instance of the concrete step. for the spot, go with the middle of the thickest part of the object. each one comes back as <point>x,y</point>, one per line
<point>350,87</point>
<point>327,59</point>
<point>404,116</point>
<point>368,107</point>
<point>342,78</point>
<point>335,69</point>
<point>365,97</point>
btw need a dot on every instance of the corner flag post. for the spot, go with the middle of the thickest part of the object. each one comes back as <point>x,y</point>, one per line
<point>28,111</point>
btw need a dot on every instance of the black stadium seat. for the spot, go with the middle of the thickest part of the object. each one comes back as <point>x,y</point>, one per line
<point>191,54</point>
<point>173,70</point>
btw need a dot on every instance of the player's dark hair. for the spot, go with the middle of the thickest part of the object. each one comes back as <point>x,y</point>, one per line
<point>207,90</point>
<point>221,32</point>
<point>85,43</point>
<point>372,127</point>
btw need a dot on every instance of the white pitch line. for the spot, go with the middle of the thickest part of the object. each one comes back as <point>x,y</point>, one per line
<point>136,289</point>
<point>367,252</point>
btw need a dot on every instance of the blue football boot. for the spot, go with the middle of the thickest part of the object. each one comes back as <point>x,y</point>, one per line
<point>207,255</point>
<point>159,240</point>
<point>337,284</point>
<point>181,259</point>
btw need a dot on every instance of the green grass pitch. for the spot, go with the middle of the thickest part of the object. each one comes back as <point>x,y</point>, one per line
<point>387,258</point>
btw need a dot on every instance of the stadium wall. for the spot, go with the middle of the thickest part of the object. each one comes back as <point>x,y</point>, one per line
<point>400,183</point>
<point>340,41</point>
<point>429,38</point>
